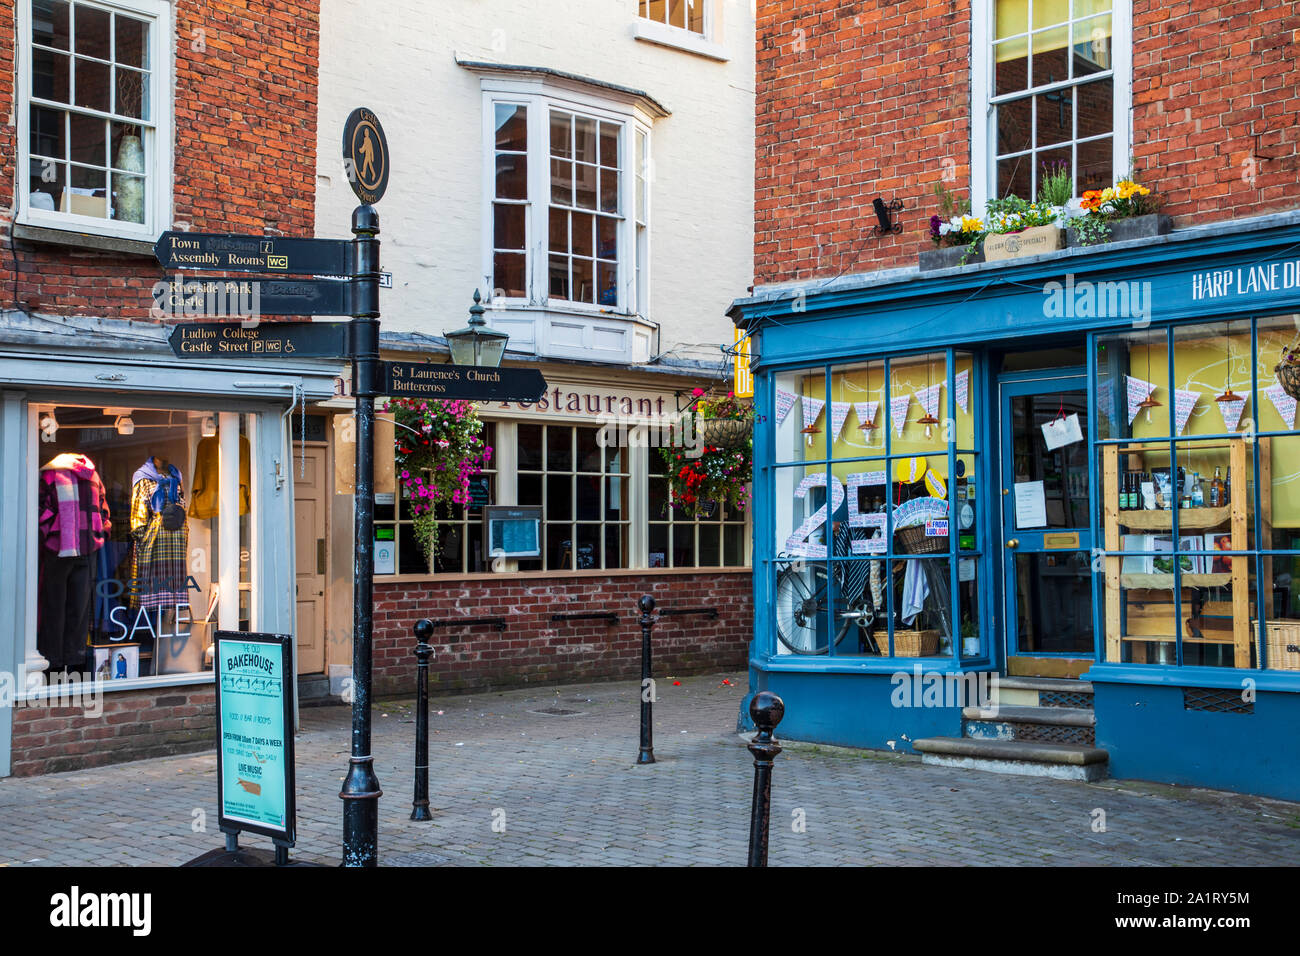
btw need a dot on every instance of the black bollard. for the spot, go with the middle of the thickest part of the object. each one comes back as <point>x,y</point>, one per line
<point>647,754</point>
<point>766,710</point>
<point>423,651</point>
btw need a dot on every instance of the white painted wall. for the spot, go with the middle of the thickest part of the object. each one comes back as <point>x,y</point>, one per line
<point>397,57</point>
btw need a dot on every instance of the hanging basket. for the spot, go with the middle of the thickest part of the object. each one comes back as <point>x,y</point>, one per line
<point>1288,376</point>
<point>726,432</point>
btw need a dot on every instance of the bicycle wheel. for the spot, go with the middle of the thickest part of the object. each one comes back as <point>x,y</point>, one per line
<point>801,603</point>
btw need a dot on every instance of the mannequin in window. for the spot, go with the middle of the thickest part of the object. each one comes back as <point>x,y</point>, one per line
<point>74,524</point>
<point>160,535</point>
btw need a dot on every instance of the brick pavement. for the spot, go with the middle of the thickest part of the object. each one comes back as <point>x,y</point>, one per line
<point>567,790</point>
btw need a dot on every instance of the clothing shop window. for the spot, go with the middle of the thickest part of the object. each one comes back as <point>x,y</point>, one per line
<point>1052,77</point>
<point>460,527</point>
<point>1198,464</point>
<point>876,540</point>
<point>583,492</point>
<point>568,209</point>
<point>94,84</point>
<point>143,522</point>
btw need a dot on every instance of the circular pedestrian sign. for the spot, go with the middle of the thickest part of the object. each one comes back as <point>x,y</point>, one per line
<point>365,154</point>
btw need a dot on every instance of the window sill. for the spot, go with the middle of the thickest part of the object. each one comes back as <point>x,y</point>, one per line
<point>1169,675</point>
<point>677,38</point>
<point>539,577</point>
<point>83,240</point>
<point>83,690</point>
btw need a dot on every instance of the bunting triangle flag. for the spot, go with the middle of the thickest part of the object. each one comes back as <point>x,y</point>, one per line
<point>1184,402</point>
<point>929,398</point>
<point>1283,402</point>
<point>784,402</point>
<point>898,412</point>
<point>866,413</point>
<point>963,390</point>
<point>812,408</point>
<point>839,413</point>
<point>1138,390</point>
<point>1231,412</point>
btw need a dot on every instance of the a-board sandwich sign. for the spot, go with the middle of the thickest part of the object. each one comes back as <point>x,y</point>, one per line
<point>255,758</point>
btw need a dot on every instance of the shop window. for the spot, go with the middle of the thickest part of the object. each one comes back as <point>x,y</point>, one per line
<point>583,491</point>
<point>460,527</point>
<point>1197,488</point>
<point>874,485</point>
<point>714,538</point>
<point>1052,79</point>
<point>138,555</point>
<point>90,148</point>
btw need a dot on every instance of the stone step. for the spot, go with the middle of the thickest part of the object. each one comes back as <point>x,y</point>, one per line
<point>1051,716</point>
<point>1024,757</point>
<point>314,689</point>
<point>1045,683</point>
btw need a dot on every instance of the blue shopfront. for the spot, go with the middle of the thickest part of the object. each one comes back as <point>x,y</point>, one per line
<point>1040,515</point>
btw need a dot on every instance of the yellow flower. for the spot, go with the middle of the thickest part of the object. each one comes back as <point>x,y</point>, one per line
<point>971,224</point>
<point>1108,194</point>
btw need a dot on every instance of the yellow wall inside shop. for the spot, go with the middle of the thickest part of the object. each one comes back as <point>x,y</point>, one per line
<point>1202,364</point>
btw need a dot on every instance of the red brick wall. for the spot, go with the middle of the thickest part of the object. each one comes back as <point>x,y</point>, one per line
<point>535,650</point>
<point>134,725</point>
<point>872,98</point>
<point>244,147</point>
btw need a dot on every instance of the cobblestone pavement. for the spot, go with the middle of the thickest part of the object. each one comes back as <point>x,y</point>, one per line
<point>553,769</point>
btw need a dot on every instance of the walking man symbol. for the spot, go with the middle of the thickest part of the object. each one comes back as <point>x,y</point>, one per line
<point>367,156</point>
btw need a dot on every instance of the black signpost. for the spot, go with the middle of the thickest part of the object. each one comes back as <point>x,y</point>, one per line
<point>406,380</point>
<point>365,151</point>
<point>214,252</point>
<point>266,339</point>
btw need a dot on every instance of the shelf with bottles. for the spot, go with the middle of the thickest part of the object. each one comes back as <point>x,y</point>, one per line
<point>1139,605</point>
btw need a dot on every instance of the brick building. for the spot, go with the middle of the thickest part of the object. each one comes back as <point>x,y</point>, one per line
<point>128,119</point>
<point>980,460</point>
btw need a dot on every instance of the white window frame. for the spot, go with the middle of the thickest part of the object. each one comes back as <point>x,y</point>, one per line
<point>539,100</point>
<point>984,116</point>
<point>158,145</point>
<point>705,34</point>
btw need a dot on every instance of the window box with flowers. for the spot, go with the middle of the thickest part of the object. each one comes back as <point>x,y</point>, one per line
<point>438,448</point>
<point>1124,211</point>
<point>715,472</point>
<point>956,236</point>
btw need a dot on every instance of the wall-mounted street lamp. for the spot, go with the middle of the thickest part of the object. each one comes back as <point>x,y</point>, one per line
<point>476,344</point>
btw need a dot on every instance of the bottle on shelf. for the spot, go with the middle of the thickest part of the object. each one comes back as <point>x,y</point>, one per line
<point>1216,490</point>
<point>1198,493</point>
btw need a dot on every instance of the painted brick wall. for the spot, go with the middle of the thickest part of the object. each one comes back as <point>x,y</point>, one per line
<point>244,146</point>
<point>535,650</point>
<point>134,725</point>
<point>865,98</point>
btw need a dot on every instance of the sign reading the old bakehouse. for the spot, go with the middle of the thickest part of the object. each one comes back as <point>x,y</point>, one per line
<point>255,774</point>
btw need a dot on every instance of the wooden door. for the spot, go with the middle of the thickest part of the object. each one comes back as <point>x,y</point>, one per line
<point>309,505</point>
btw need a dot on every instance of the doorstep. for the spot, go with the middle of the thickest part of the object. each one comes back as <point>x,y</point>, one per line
<point>1023,757</point>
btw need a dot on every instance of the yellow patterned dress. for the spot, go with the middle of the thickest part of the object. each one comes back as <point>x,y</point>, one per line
<point>159,556</point>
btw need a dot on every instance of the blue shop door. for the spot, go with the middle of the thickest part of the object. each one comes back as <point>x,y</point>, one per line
<point>1047,543</point>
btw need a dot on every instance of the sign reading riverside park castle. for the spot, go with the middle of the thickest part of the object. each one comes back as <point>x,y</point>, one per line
<point>255,778</point>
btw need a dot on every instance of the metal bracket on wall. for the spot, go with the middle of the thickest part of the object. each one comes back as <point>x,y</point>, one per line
<point>498,622</point>
<point>712,612</point>
<point>609,617</point>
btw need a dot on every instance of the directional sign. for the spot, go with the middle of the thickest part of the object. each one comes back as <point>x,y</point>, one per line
<point>251,298</point>
<point>404,380</point>
<point>264,340</point>
<point>365,155</point>
<point>221,253</point>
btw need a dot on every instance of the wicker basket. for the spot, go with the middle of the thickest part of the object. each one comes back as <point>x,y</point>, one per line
<point>1283,639</point>
<point>914,541</point>
<point>916,643</point>
<point>1288,376</point>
